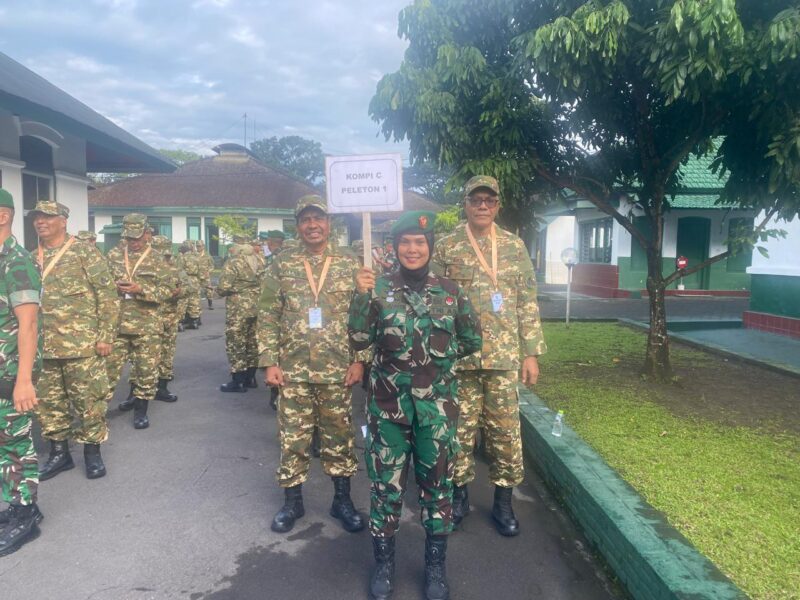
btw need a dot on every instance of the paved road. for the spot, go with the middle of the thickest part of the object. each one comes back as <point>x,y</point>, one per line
<point>185,510</point>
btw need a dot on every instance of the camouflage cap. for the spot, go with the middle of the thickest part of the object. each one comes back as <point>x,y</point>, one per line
<point>134,225</point>
<point>416,222</point>
<point>311,201</point>
<point>86,236</point>
<point>6,199</point>
<point>481,181</point>
<point>241,239</point>
<point>161,243</point>
<point>50,208</point>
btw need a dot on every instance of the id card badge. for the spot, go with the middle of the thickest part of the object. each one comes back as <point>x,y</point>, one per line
<point>497,301</point>
<point>315,318</point>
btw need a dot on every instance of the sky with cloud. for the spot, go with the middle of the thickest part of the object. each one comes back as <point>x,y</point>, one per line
<point>181,73</point>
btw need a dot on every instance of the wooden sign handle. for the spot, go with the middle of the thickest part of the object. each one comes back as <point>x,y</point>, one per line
<point>366,236</point>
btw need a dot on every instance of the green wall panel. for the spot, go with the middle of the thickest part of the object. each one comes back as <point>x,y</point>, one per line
<point>776,294</point>
<point>719,277</point>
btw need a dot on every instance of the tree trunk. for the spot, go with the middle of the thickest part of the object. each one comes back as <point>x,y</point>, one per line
<point>657,362</point>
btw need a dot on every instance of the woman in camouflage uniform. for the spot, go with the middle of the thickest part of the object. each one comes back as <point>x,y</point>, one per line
<point>418,325</point>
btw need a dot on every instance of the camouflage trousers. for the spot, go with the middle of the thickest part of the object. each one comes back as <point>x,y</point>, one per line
<point>143,352</point>
<point>193,308</point>
<point>169,342</point>
<point>241,343</point>
<point>73,388</point>
<point>183,306</point>
<point>19,467</point>
<point>489,399</point>
<point>300,407</point>
<point>390,448</point>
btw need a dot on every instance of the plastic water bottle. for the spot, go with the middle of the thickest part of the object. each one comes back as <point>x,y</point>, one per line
<point>558,424</point>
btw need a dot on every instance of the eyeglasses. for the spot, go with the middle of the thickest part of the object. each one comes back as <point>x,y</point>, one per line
<point>476,201</point>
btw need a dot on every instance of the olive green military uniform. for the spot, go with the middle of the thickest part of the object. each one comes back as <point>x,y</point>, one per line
<point>190,263</point>
<point>511,330</point>
<point>80,308</point>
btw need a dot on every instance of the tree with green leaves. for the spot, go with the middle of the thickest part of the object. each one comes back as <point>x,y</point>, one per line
<point>180,157</point>
<point>599,96</point>
<point>297,155</point>
<point>234,225</point>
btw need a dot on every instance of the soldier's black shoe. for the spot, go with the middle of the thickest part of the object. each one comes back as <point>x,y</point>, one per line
<point>210,304</point>
<point>251,377</point>
<point>127,404</point>
<point>273,398</point>
<point>163,394</point>
<point>59,460</point>
<point>503,514</point>
<point>342,507</point>
<point>5,515</point>
<point>436,587</point>
<point>140,420</point>
<point>236,384</point>
<point>381,584</point>
<point>315,442</point>
<point>93,461</point>
<point>460,503</point>
<point>21,527</point>
<point>291,510</point>
<point>198,323</point>
<point>192,323</point>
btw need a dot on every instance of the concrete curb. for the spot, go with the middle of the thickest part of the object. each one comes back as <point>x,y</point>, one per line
<point>652,559</point>
<point>782,368</point>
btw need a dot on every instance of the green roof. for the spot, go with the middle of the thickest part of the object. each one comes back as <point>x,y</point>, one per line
<point>696,174</point>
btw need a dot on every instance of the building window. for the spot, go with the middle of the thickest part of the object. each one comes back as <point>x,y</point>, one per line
<point>162,226</point>
<point>192,228</point>
<point>596,241</point>
<point>91,223</point>
<point>290,227</point>
<point>739,262</point>
<point>34,189</point>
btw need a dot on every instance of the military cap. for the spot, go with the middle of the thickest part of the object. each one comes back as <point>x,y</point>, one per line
<point>416,222</point>
<point>50,208</point>
<point>86,236</point>
<point>311,201</point>
<point>276,234</point>
<point>161,242</point>
<point>263,235</point>
<point>241,239</point>
<point>6,199</point>
<point>134,225</point>
<point>481,181</point>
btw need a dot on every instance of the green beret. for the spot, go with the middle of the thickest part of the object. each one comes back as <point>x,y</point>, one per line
<point>263,235</point>
<point>311,201</point>
<point>6,199</point>
<point>276,234</point>
<point>415,222</point>
<point>481,181</point>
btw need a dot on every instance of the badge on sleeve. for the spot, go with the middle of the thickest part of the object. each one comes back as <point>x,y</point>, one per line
<point>497,301</point>
<point>315,318</point>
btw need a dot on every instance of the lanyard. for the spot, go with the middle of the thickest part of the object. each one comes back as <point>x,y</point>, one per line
<point>492,273</point>
<point>316,288</point>
<point>51,265</point>
<point>136,266</point>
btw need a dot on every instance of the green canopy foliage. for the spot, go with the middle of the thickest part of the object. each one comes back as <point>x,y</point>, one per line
<point>297,155</point>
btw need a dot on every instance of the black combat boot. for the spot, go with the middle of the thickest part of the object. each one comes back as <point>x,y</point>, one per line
<point>502,512</point>
<point>127,404</point>
<point>22,526</point>
<point>236,384</point>
<point>291,510</point>
<point>163,394</point>
<point>93,461</point>
<point>5,515</point>
<point>342,507</point>
<point>59,460</point>
<point>436,587</point>
<point>198,322</point>
<point>251,377</point>
<point>381,584</point>
<point>460,503</point>
<point>191,323</point>
<point>315,442</point>
<point>273,398</point>
<point>140,420</point>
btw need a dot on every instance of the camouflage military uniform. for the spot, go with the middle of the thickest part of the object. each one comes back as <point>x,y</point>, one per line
<point>80,308</point>
<point>140,324</point>
<point>19,467</point>
<point>191,264</point>
<point>488,380</point>
<point>411,403</point>
<point>206,267</point>
<point>179,285</point>
<point>240,284</point>
<point>314,361</point>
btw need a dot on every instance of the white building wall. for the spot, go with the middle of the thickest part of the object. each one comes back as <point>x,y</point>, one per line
<point>101,221</point>
<point>72,192</point>
<point>784,253</point>
<point>560,235</point>
<point>179,229</point>
<point>12,183</point>
<point>267,223</point>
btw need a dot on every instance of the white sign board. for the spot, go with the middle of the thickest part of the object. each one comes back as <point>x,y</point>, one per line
<point>365,183</point>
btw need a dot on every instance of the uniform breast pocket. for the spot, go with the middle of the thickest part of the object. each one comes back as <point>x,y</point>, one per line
<point>441,339</point>
<point>461,274</point>
<point>339,296</point>
<point>293,292</point>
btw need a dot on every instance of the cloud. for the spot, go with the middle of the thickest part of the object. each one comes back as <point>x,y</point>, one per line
<point>180,73</point>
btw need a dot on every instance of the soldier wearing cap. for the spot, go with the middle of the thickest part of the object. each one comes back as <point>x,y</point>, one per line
<point>20,361</point>
<point>190,263</point>
<point>206,268</point>
<point>302,341</point>
<point>417,324</point>
<point>142,286</point>
<point>240,284</point>
<point>494,269</point>
<point>79,312</point>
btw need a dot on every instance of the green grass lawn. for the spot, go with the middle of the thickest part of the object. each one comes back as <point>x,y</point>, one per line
<point>732,490</point>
